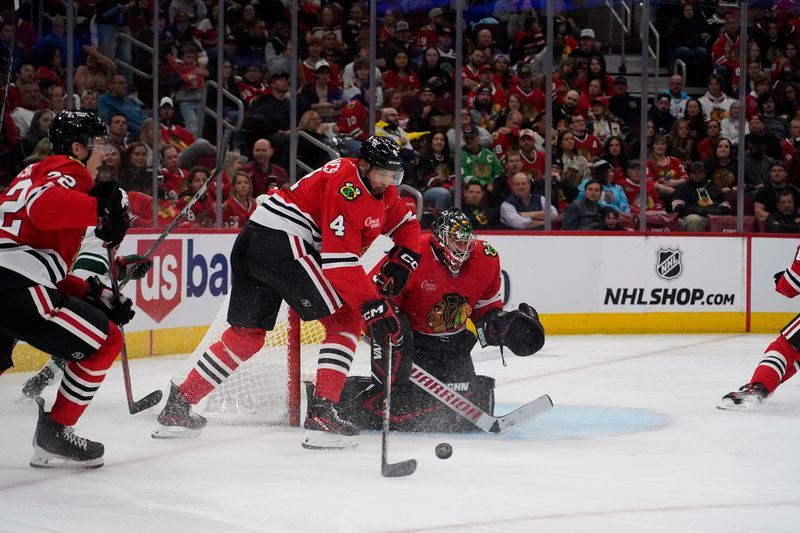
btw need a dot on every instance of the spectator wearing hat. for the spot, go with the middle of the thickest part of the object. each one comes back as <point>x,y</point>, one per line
<point>532,159</point>
<point>587,45</point>
<point>116,100</point>
<point>611,194</point>
<point>660,115</point>
<point>583,214</point>
<point>322,95</point>
<point>433,74</point>
<point>625,107</point>
<point>269,117</point>
<point>446,51</point>
<point>484,112</point>
<point>477,163</point>
<point>401,74</point>
<point>632,185</point>
<point>485,138</point>
<point>772,146</point>
<point>403,41</point>
<point>252,83</point>
<point>532,97</point>
<point>428,35</point>
<point>88,100</point>
<point>766,199</point>
<point>188,145</point>
<point>314,51</point>
<point>523,210</point>
<point>420,118</point>
<point>698,198</point>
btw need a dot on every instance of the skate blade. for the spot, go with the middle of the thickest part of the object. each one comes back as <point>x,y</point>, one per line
<point>322,440</point>
<point>727,404</point>
<point>174,432</point>
<point>45,459</point>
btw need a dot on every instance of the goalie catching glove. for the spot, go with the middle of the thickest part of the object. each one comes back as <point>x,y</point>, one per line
<point>520,330</point>
<point>117,308</point>
<point>395,272</point>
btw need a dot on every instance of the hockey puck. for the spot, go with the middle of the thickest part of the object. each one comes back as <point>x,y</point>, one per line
<point>444,450</point>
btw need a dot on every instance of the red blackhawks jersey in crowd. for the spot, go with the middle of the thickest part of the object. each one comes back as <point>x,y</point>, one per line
<point>437,303</point>
<point>332,210</point>
<point>43,216</point>
<point>789,283</point>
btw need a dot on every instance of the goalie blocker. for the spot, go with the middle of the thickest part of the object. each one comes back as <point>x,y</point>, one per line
<point>448,357</point>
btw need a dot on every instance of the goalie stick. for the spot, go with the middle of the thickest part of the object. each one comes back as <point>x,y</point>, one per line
<point>154,397</point>
<point>458,403</point>
<point>403,468</point>
<point>226,139</point>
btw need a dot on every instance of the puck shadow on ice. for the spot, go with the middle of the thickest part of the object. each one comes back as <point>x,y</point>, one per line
<point>580,422</point>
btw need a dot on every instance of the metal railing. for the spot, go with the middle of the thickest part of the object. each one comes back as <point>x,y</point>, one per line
<point>210,111</point>
<point>408,190</point>
<point>623,19</point>
<point>139,44</point>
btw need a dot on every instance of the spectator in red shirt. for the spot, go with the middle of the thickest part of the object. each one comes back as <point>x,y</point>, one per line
<point>667,171</point>
<point>632,185</point>
<point>173,176</point>
<point>709,143</point>
<point>202,211</point>
<point>586,144</point>
<point>401,75</point>
<point>240,204</point>
<point>252,85</point>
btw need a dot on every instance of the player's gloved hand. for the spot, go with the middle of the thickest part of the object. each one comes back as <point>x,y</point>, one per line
<point>778,276</point>
<point>519,330</point>
<point>116,307</point>
<point>381,321</point>
<point>396,270</point>
<point>112,214</point>
<point>132,266</point>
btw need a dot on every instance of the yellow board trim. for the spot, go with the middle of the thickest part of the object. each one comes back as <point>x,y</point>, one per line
<point>184,340</point>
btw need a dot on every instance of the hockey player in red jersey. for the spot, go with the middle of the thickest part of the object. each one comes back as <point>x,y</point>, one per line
<point>458,280</point>
<point>302,245</point>
<point>782,358</point>
<point>43,217</point>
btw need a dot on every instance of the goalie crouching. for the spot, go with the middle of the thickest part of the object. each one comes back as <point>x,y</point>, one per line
<point>458,280</point>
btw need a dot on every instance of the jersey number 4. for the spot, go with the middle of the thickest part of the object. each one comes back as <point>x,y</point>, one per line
<point>337,225</point>
<point>12,204</point>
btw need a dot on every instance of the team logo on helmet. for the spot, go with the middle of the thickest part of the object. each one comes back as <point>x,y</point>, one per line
<point>350,191</point>
<point>449,313</point>
<point>489,250</point>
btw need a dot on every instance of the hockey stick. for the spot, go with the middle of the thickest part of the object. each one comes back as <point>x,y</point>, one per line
<point>154,397</point>
<point>458,403</point>
<point>403,468</point>
<point>226,139</point>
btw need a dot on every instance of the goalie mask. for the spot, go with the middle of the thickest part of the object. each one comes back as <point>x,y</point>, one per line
<point>452,239</point>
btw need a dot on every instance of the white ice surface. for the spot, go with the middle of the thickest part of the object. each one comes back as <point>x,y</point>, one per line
<point>634,443</point>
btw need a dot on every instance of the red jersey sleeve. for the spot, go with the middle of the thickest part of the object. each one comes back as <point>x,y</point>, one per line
<point>401,224</point>
<point>60,201</point>
<point>492,297</point>
<point>789,283</point>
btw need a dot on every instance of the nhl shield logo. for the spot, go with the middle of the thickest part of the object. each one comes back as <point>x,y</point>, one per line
<point>669,263</point>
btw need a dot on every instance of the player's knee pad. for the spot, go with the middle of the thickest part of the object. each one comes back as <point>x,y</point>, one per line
<point>243,342</point>
<point>789,347</point>
<point>344,321</point>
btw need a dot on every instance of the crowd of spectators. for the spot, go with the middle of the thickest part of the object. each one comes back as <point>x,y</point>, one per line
<point>690,175</point>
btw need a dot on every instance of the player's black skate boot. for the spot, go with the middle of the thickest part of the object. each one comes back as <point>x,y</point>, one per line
<point>326,429</point>
<point>57,446</point>
<point>177,419</point>
<point>747,397</point>
<point>34,387</point>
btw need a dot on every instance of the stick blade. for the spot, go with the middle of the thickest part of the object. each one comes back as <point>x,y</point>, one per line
<point>147,402</point>
<point>524,414</point>
<point>401,469</point>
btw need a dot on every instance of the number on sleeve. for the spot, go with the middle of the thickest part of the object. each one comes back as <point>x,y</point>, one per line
<point>10,220</point>
<point>337,225</point>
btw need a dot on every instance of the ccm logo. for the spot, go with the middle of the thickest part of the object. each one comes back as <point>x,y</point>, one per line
<point>372,313</point>
<point>410,261</point>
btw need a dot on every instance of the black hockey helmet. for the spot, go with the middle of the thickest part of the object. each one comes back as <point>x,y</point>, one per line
<point>71,126</point>
<point>453,239</point>
<point>382,152</point>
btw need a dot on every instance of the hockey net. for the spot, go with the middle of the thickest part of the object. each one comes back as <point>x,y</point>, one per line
<point>266,389</point>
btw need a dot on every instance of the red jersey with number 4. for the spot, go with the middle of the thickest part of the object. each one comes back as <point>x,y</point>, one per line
<point>333,210</point>
<point>437,303</point>
<point>43,216</point>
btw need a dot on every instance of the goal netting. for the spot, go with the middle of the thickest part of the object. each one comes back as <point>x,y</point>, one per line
<point>266,389</point>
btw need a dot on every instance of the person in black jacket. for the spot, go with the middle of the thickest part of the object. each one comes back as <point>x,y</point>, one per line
<point>785,218</point>
<point>698,198</point>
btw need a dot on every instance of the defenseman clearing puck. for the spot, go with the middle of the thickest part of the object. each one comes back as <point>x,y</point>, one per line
<point>444,450</point>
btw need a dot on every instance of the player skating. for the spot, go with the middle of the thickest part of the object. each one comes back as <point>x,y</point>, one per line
<point>43,217</point>
<point>458,280</point>
<point>782,356</point>
<point>302,245</point>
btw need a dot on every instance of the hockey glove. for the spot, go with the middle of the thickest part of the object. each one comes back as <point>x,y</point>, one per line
<point>519,330</point>
<point>132,266</point>
<point>116,307</point>
<point>381,321</point>
<point>778,276</point>
<point>396,270</point>
<point>113,219</point>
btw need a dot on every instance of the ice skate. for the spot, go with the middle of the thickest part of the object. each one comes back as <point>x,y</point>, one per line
<point>747,397</point>
<point>34,387</point>
<point>177,420</point>
<point>57,446</point>
<point>325,429</point>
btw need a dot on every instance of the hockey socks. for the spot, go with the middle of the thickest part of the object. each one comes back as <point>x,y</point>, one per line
<point>220,360</point>
<point>780,363</point>
<point>335,357</point>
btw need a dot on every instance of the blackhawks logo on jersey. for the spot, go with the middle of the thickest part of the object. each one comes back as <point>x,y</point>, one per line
<point>350,191</point>
<point>449,313</point>
<point>488,250</point>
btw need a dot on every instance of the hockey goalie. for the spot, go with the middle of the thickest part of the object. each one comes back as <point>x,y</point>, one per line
<point>458,282</point>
